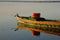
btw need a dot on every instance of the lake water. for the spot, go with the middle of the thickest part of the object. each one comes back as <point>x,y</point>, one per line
<point>8,22</point>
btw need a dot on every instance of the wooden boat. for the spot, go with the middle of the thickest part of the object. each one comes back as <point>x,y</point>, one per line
<point>48,25</point>
<point>26,20</point>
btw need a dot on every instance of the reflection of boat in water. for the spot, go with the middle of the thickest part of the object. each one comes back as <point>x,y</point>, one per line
<point>35,31</point>
<point>39,24</point>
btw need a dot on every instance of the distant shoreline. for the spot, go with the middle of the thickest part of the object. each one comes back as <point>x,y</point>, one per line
<point>35,1</point>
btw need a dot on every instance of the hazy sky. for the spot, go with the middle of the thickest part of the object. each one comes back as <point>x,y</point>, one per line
<point>29,0</point>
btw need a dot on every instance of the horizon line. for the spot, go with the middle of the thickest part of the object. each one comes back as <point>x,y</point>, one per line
<point>35,1</point>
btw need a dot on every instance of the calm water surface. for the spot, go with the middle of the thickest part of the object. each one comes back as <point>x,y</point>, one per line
<point>7,25</point>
